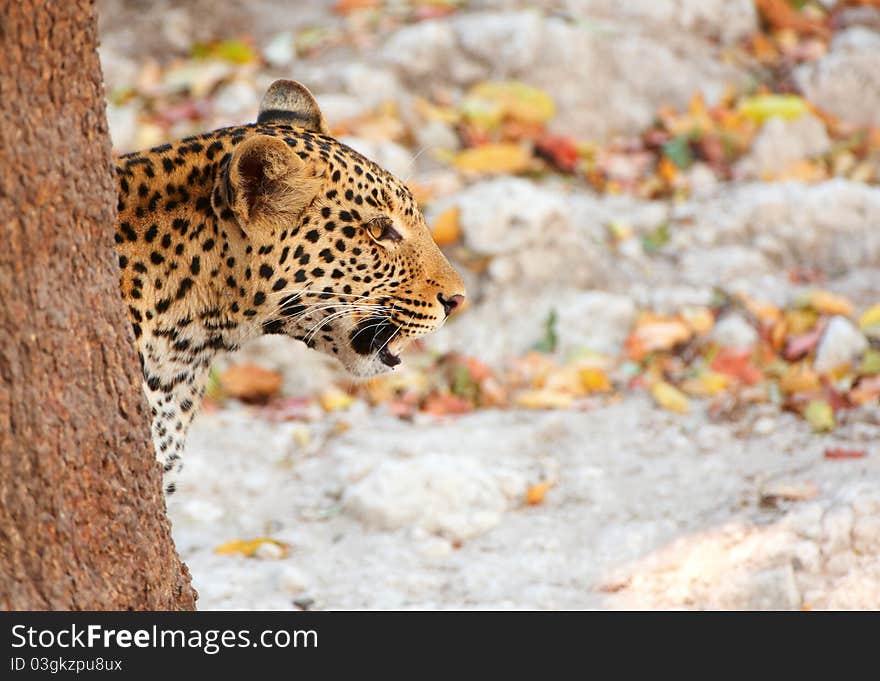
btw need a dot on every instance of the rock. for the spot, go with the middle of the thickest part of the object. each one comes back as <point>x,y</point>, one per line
<point>338,107</point>
<point>236,99</point>
<point>280,51</point>
<point>725,20</point>
<point>503,215</point>
<point>603,82</point>
<point>781,143</point>
<point>829,225</point>
<point>733,331</point>
<point>841,343</point>
<point>394,158</point>
<point>846,82</point>
<point>837,525</point>
<point>436,136</point>
<point>454,497</point>
<point>722,265</point>
<point>122,121</point>
<point>596,320</point>
<point>769,589</point>
<point>293,580</point>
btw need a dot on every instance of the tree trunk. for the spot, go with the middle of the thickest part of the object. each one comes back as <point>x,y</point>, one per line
<point>82,515</point>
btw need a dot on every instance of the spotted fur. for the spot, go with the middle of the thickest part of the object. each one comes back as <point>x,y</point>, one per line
<point>268,228</point>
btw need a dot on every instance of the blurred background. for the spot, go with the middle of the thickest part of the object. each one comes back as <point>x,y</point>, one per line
<point>663,390</point>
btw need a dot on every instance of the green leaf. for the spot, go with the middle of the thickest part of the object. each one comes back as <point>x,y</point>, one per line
<point>678,150</point>
<point>656,239</point>
<point>463,384</point>
<point>549,340</point>
<point>820,416</point>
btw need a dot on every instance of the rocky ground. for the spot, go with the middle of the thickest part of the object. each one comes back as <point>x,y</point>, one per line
<point>672,480</point>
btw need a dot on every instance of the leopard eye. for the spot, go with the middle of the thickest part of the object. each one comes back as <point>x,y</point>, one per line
<point>382,228</point>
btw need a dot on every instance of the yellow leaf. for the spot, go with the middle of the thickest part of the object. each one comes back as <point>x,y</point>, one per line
<point>700,319</point>
<point>829,303</point>
<point>798,322</point>
<point>594,380</point>
<point>536,493</point>
<point>761,107</point>
<point>334,399</point>
<point>669,397</point>
<point>446,229</point>
<point>544,399</point>
<point>707,384</point>
<point>871,320</point>
<point>513,99</point>
<point>250,383</point>
<point>820,416</point>
<point>493,158</point>
<point>654,332</point>
<point>800,379</point>
<point>251,547</point>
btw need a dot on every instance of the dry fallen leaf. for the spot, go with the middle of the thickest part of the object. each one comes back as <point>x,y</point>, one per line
<point>250,383</point>
<point>830,303</point>
<point>838,453</point>
<point>335,399</point>
<point>261,547</point>
<point>736,364</point>
<point>653,332</point>
<point>536,493</point>
<point>706,384</point>
<point>494,158</point>
<point>775,492</point>
<point>800,379</point>
<point>446,229</point>
<point>669,397</point>
<point>761,107</point>
<point>446,405</point>
<point>544,399</point>
<point>820,416</point>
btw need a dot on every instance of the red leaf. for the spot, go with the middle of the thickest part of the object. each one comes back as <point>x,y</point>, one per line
<point>837,453</point>
<point>560,151</point>
<point>738,365</point>
<point>800,346</point>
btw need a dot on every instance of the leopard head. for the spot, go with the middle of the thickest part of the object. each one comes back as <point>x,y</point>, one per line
<point>334,247</point>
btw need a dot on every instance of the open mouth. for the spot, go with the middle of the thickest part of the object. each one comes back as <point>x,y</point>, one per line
<point>373,336</point>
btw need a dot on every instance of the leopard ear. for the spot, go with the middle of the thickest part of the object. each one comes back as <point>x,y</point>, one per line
<point>268,185</point>
<point>290,103</point>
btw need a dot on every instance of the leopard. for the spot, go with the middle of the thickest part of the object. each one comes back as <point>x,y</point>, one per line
<point>273,227</point>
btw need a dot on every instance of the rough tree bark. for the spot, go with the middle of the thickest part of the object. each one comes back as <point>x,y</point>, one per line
<point>82,515</point>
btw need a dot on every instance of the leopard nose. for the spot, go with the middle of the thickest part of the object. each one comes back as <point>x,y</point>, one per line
<point>450,304</point>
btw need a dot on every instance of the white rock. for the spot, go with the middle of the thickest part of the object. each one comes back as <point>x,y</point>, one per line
<point>727,20</point>
<point>846,82</point>
<point>781,143</point>
<point>733,331</point>
<point>457,498</point>
<point>764,425</point>
<point>770,589</point>
<point>122,121</point>
<point>269,551</point>
<point>841,343</point>
<point>338,107</point>
<point>837,525</point>
<point>502,215</point>
<point>596,320</point>
<point>293,580</point>
<point>435,548</point>
<point>394,158</point>
<point>280,50</point>
<point>434,136</point>
<point>602,81</point>
<point>236,98</point>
